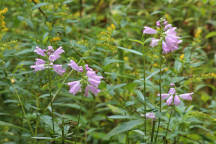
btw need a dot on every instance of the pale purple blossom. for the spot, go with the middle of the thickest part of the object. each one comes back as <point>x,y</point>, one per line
<point>75,66</point>
<point>173,98</point>
<point>52,55</point>
<point>56,54</point>
<point>39,65</point>
<point>148,30</point>
<point>164,96</point>
<point>158,23</point>
<point>93,80</point>
<point>58,69</point>
<point>88,68</point>
<point>75,87</point>
<point>91,88</point>
<point>150,115</point>
<point>154,42</point>
<point>186,96</point>
<point>170,40</point>
<point>39,51</point>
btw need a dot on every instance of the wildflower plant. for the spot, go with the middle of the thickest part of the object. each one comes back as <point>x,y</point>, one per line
<point>90,80</point>
<point>51,56</point>
<point>110,80</point>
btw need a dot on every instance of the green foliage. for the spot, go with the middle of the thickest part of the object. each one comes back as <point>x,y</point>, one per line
<point>106,35</point>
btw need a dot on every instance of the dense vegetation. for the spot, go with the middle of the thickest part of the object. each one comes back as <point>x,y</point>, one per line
<point>117,98</point>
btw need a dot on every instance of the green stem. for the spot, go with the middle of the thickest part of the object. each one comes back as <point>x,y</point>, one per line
<point>23,111</point>
<point>58,90</point>
<point>153,129</point>
<point>51,104</point>
<point>63,130</point>
<point>127,139</point>
<point>160,89</point>
<point>167,129</point>
<point>38,116</point>
<point>144,89</point>
<point>77,129</point>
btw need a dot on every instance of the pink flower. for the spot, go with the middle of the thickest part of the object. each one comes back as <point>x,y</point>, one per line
<point>91,88</point>
<point>186,96</point>
<point>88,68</point>
<point>148,30</point>
<point>164,96</point>
<point>58,69</point>
<point>173,98</point>
<point>154,42</point>
<point>150,115</point>
<point>158,23</point>
<point>176,100</point>
<point>53,55</point>
<point>56,54</point>
<point>75,67</point>
<point>93,79</point>
<point>171,40</point>
<point>75,87</point>
<point>39,65</point>
<point>172,91</point>
<point>39,51</point>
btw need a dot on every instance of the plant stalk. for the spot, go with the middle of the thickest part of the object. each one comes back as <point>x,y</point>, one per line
<point>51,104</point>
<point>144,89</point>
<point>153,129</point>
<point>23,111</point>
<point>167,129</point>
<point>77,129</point>
<point>160,90</point>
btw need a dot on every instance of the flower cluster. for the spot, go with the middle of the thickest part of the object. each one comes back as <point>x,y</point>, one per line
<point>3,27</point>
<point>93,80</point>
<point>173,98</point>
<point>50,54</point>
<point>168,34</point>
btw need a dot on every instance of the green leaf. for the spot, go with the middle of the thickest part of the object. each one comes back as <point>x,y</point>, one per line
<point>131,51</point>
<point>120,117</point>
<point>25,51</point>
<point>39,5</point>
<point>2,123</point>
<point>75,106</point>
<point>211,34</point>
<point>45,37</point>
<point>138,41</point>
<point>43,138</point>
<point>126,126</point>
<point>140,95</point>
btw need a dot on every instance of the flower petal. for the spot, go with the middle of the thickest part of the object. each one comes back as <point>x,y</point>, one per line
<point>148,30</point>
<point>169,100</point>
<point>176,100</point>
<point>186,96</point>
<point>164,95</point>
<point>58,69</point>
